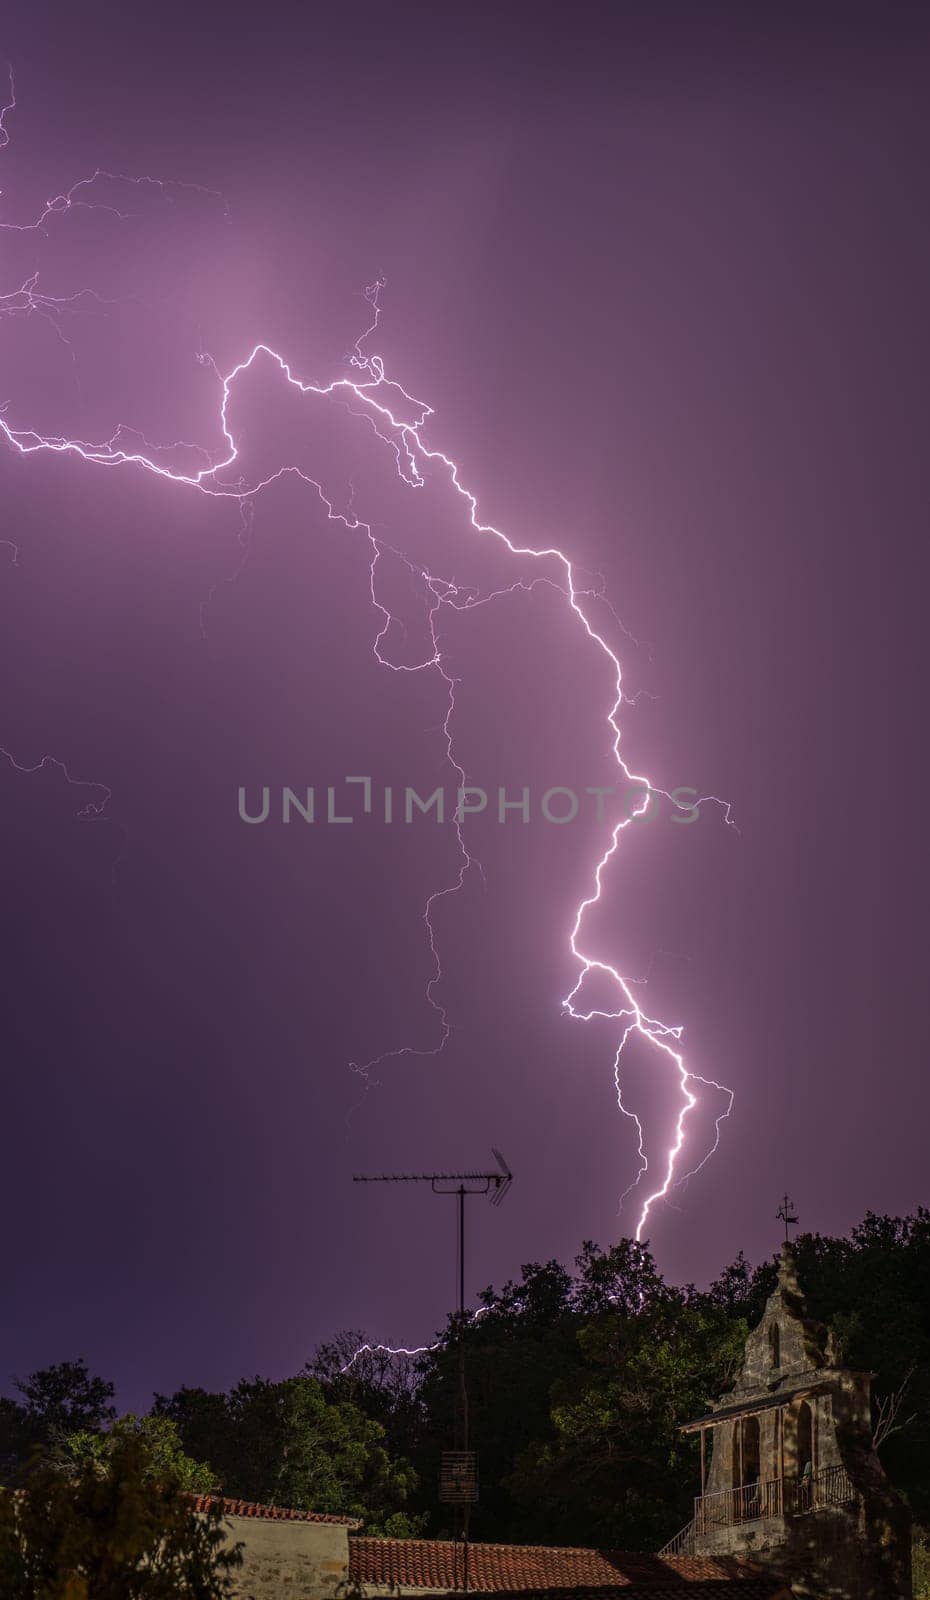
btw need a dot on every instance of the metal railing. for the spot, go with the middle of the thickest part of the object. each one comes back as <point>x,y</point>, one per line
<point>682,1544</point>
<point>776,1497</point>
<point>832,1486</point>
<point>773,1497</point>
<point>745,1504</point>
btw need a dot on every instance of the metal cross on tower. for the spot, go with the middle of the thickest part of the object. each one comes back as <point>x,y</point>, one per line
<point>784,1214</point>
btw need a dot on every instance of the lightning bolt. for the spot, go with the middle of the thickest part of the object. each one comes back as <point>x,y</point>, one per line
<point>399,420</point>
<point>5,110</point>
<point>92,810</point>
<point>403,1349</point>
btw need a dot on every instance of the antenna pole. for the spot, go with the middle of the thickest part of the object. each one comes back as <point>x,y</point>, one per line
<point>462,1192</point>
<point>494,1184</point>
<point>463,1386</point>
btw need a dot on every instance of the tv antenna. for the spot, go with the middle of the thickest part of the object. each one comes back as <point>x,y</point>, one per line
<point>459,1481</point>
<point>460,1185</point>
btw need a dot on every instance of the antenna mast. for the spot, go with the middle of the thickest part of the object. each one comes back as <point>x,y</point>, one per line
<point>460,1480</point>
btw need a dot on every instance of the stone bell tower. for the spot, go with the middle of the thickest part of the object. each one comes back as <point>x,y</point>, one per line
<point>793,1480</point>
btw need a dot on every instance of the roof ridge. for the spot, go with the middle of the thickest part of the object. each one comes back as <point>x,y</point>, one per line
<point>235,1506</point>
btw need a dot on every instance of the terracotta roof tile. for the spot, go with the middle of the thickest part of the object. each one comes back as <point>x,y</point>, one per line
<point>701,1589</point>
<point>250,1508</point>
<point>512,1569</point>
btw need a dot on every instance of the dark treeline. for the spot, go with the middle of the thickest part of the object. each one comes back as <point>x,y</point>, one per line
<point>577,1382</point>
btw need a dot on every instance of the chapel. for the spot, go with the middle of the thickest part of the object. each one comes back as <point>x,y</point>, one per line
<point>789,1475</point>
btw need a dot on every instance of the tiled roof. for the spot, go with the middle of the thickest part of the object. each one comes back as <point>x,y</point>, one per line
<point>249,1508</point>
<point>676,1589</point>
<point>513,1569</point>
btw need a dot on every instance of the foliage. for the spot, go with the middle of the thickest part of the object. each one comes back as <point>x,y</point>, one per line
<point>384,1386</point>
<point>112,1534</point>
<point>617,1463</point>
<point>287,1444</point>
<point>162,1452</point>
<point>66,1398</point>
<point>399,1525</point>
<point>577,1383</point>
<point>57,1400</point>
<point>576,1386</point>
<point>920,1558</point>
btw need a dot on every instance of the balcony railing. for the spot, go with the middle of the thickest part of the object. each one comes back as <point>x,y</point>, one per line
<point>746,1504</point>
<point>774,1497</point>
<point>682,1544</point>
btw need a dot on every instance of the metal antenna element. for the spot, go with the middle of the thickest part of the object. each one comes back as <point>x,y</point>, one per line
<point>494,1183</point>
<point>461,1185</point>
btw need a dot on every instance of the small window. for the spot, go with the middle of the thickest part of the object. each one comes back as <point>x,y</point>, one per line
<point>775,1343</point>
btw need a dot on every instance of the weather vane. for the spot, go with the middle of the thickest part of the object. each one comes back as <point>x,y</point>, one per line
<point>784,1214</point>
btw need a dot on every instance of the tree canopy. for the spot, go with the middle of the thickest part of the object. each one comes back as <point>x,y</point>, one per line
<point>110,1529</point>
<point>577,1381</point>
<point>287,1443</point>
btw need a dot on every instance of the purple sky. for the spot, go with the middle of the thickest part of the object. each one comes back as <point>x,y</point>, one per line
<point>663,279</point>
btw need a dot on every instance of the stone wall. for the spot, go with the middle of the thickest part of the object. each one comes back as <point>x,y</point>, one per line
<point>797,1407</point>
<point>285,1560</point>
<point>840,1553</point>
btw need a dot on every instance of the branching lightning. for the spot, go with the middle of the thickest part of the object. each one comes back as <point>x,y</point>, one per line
<point>93,809</point>
<point>400,422</point>
<point>403,1349</point>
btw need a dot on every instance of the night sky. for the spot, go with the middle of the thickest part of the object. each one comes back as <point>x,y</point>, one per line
<point>661,273</point>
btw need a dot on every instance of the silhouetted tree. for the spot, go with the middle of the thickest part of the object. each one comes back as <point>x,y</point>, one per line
<point>110,1531</point>
<point>65,1398</point>
<point>577,1382</point>
<point>57,1400</point>
<point>162,1452</point>
<point>286,1444</point>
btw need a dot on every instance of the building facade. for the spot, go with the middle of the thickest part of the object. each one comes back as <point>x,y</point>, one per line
<point>788,1471</point>
<point>286,1554</point>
